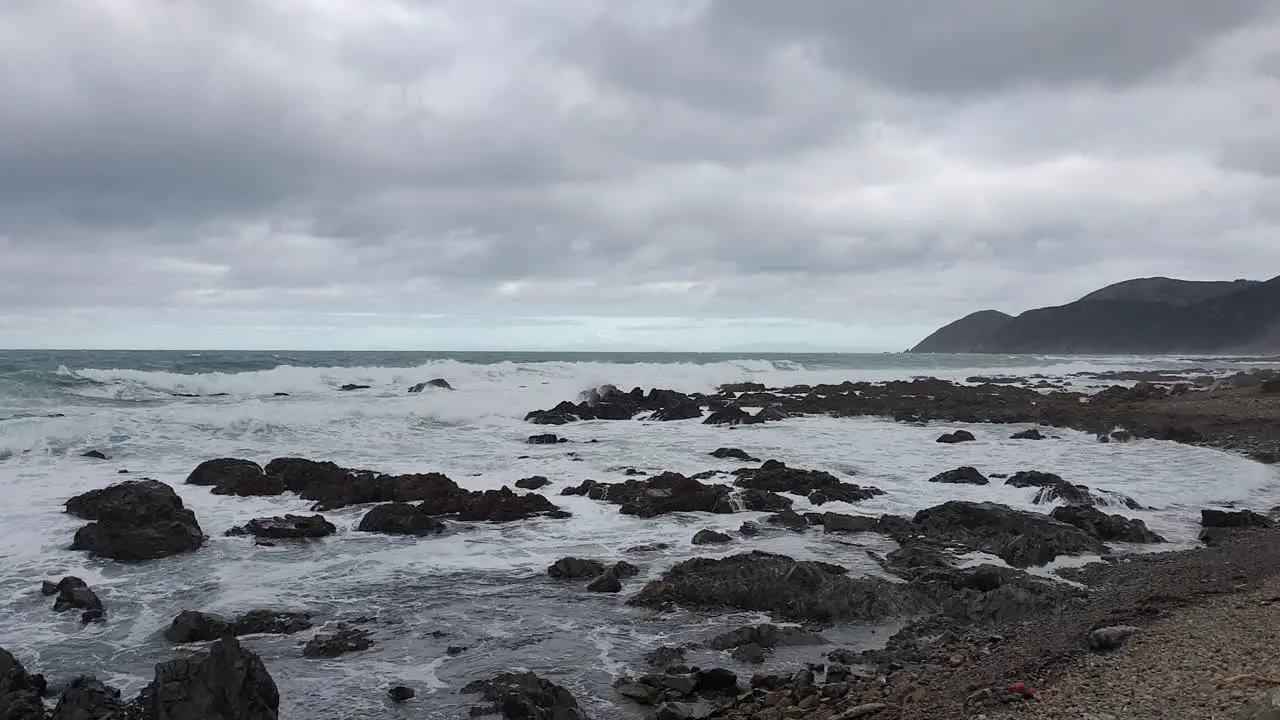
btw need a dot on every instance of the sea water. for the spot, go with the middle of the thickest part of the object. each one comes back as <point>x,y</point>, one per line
<point>484,586</point>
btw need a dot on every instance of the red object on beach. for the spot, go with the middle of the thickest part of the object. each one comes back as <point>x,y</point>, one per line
<point>1020,688</point>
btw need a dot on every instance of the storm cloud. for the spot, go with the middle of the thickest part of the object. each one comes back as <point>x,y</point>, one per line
<point>810,161</point>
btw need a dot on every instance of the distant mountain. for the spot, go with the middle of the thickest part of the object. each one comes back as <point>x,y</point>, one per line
<point>1143,316</point>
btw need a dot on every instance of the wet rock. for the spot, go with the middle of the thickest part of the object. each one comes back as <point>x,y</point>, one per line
<point>766,636</point>
<point>133,521</point>
<point>572,568</point>
<point>750,528</point>
<point>400,519</point>
<point>353,386</point>
<point>400,693</point>
<point>287,527</point>
<point>74,594</point>
<point>1031,434</point>
<point>1266,706</point>
<point>527,696</point>
<point>1233,519</point>
<point>638,691</point>
<point>726,453</point>
<point>757,581</point>
<point>1107,528</point>
<point>95,455</point>
<point>789,519</point>
<point>750,653</point>
<point>665,657</point>
<point>233,476</point>
<point>87,698</point>
<point>227,683</point>
<point>958,436</point>
<point>715,680</point>
<point>20,692</point>
<point>654,547</point>
<point>345,640</point>
<point>661,494</point>
<point>437,383</point>
<point>838,522</point>
<point>192,626</point>
<point>609,582</point>
<point>533,483</point>
<point>546,439</point>
<point>818,486</point>
<point>502,505</point>
<point>1019,538</point>
<point>741,387</point>
<point>1054,489</point>
<point>684,410</point>
<point>990,594</point>
<point>963,475</point>
<point>755,501</point>
<point>1111,638</point>
<point>710,537</point>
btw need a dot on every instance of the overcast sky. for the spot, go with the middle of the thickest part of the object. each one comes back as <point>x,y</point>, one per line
<point>687,174</point>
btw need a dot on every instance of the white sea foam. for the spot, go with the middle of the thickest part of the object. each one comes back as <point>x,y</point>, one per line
<point>484,585</point>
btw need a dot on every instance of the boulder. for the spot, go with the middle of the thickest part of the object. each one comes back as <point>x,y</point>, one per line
<point>757,581</point>
<point>287,527</point>
<point>135,520</point>
<point>20,692</point>
<point>710,537</point>
<point>989,594</point>
<point>1019,538</point>
<point>87,698</point>
<point>1054,489</point>
<point>438,383</point>
<point>1107,528</point>
<point>760,501</point>
<point>191,626</point>
<point>818,486</point>
<point>1233,519</point>
<point>546,439</point>
<point>95,455</point>
<point>228,683</point>
<point>963,475</point>
<point>609,582</point>
<point>1111,637</point>
<point>74,594</point>
<point>399,518</point>
<point>525,695</point>
<point>789,519</point>
<point>572,568</point>
<point>685,410</point>
<point>532,483</point>
<point>345,640</point>
<point>1031,434</point>
<point>400,693</point>
<point>731,415</point>
<point>726,453</point>
<point>233,476</point>
<point>958,436</point>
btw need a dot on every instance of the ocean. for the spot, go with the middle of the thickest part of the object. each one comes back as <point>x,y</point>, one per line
<point>484,586</point>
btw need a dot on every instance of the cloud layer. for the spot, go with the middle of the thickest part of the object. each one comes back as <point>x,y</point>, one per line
<point>880,165</point>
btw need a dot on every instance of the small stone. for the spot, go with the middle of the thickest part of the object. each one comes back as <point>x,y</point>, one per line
<point>1110,638</point>
<point>861,711</point>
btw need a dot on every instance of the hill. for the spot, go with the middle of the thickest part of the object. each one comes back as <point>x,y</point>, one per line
<point>1143,316</point>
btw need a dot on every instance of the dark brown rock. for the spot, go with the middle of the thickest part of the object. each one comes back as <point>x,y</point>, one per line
<point>135,520</point>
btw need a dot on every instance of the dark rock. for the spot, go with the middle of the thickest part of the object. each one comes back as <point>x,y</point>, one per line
<point>191,626</point>
<point>400,693</point>
<point>572,568</point>
<point>288,527</point>
<point>95,454</point>
<point>546,439</point>
<point>750,653</point>
<point>533,483</point>
<point>1233,519</point>
<point>74,594</point>
<point>741,387</point>
<point>990,594</point>
<point>710,537</point>
<point>715,680</point>
<point>354,386</point>
<point>765,582</point>
<point>233,476</point>
<point>280,394</point>
<point>624,569</point>
<point>759,501</point>
<point>525,696</point>
<point>48,587</point>
<point>194,626</point>
<point>86,698</point>
<point>1019,538</point>
<point>229,683</point>
<point>400,519</point>
<point>725,453</point>
<point>609,582</point>
<point>454,650</point>
<point>640,692</point>
<point>1107,528</point>
<point>665,657</point>
<point>271,622</point>
<point>774,476</point>
<point>964,475</point>
<point>1053,488</point>
<point>20,693</point>
<point>1112,637</point>
<point>660,494</point>
<point>685,410</point>
<point>750,528</point>
<point>731,415</point>
<point>789,519</point>
<point>135,520</point>
<point>1031,434</point>
<point>655,547</point>
<point>439,383</point>
<point>500,505</point>
<point>958,436</point>
<point>345,640</point>
<point>837,522</point>
<point>765,636</point>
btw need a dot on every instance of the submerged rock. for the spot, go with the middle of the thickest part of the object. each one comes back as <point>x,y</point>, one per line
<point>765,636</point>
<point>400,693</point>
<point>958,436</point>
<point>135,520</point>
<point>1031,434</point>
<point>536,482</point>
<point>1054,489</point>
<point>546,439</point>
<point>572,568</point>
<point>525,695</point>
<point>345,640</point>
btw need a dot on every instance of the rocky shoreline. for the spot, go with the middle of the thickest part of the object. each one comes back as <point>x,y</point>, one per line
<point>990,636</point>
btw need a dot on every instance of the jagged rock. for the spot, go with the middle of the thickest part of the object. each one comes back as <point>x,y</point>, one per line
<point>989,593</point>
<point>1053,488</point>
<point>801,590</point>
<point>572,568</point>
<point>228,683</point>
<point>818,486</point>
<point>789,519</point>
<point>1107,528</point>
<point>750,528</point>
<point>750,653</point>
<point>439,383</point>
<point>287,527</point>
<point>535,482</point>
<point>546,439</point>
<point>963,475</point>
<point>345,640</point>
<point>958,436</point>
<point>133,521</point>
<point>233,476</point>
<point>400,519</point>
<point>74,594</point>
<point>87,698</point>
<point>20,692</point>
<point>725,453</point>
<point>1019,538</point>
<point>525,695</point>
<point>193,626</point>
<point>1031,434</point>
<point>710,537</point>
<point>684,410</point>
